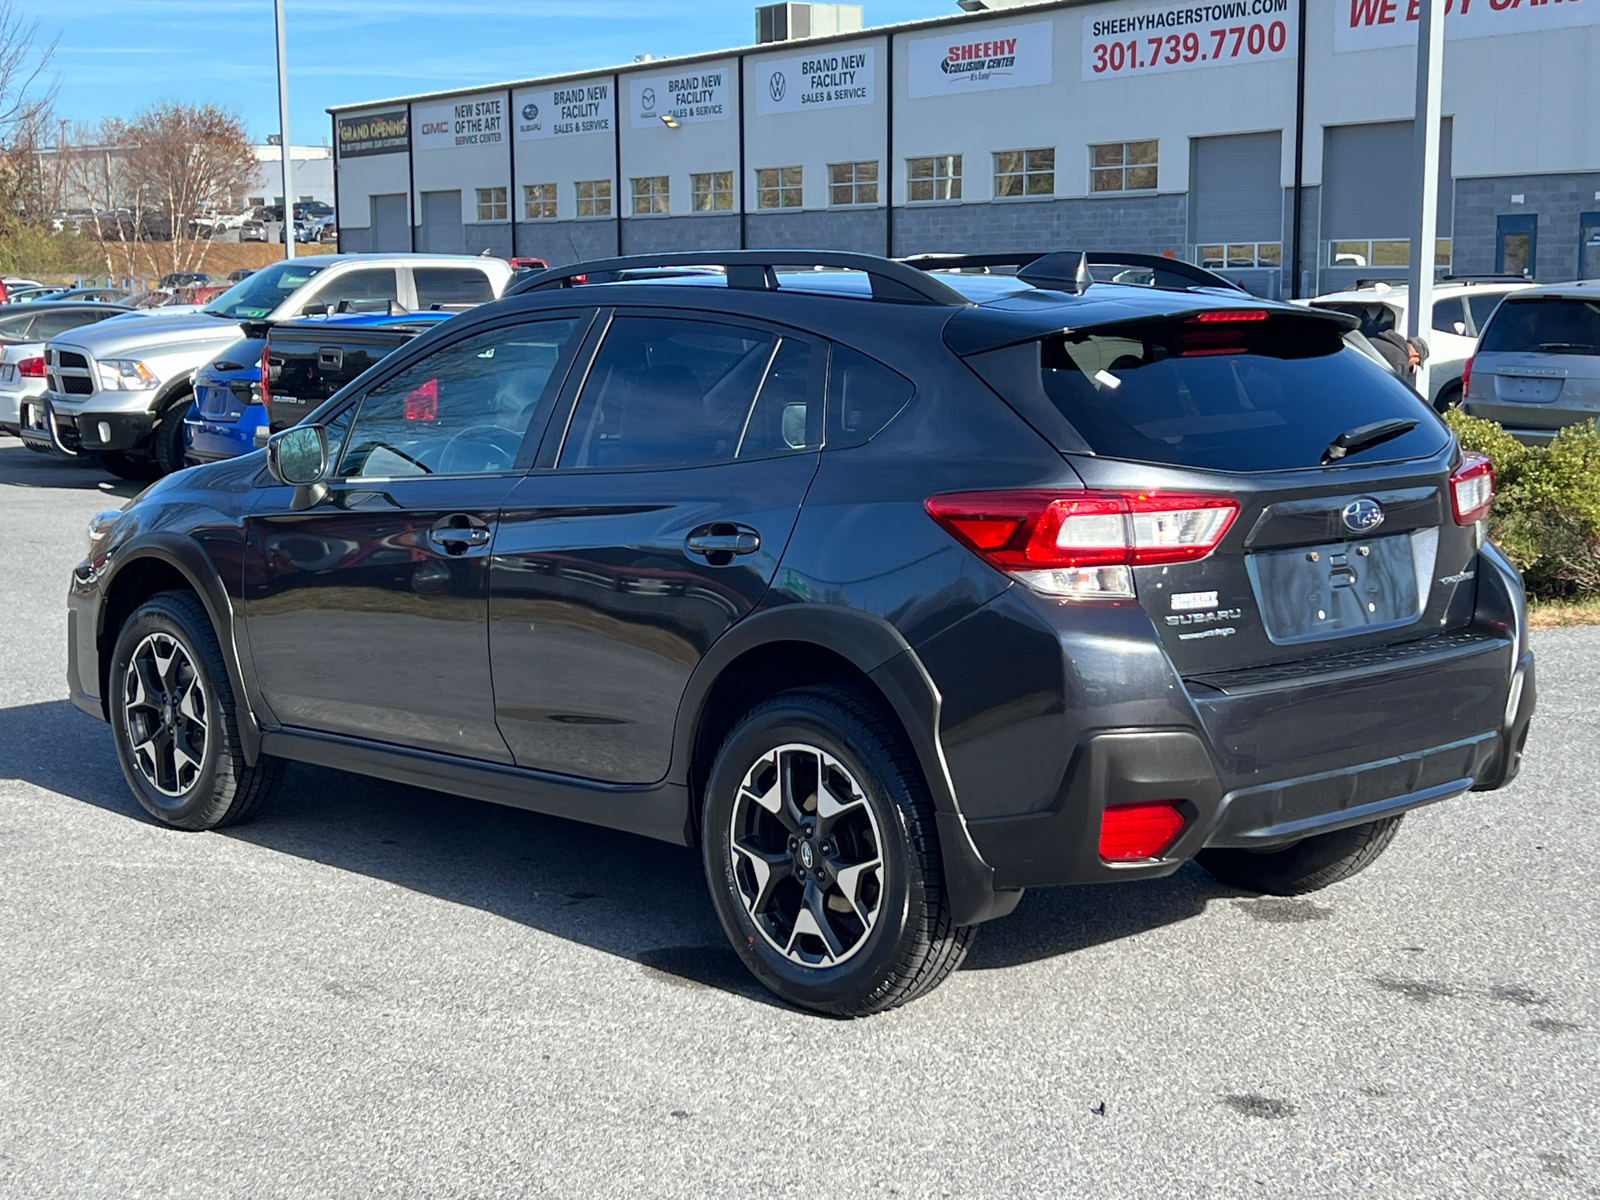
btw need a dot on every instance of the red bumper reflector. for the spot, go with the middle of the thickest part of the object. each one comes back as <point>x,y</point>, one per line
<point>1130,832</point>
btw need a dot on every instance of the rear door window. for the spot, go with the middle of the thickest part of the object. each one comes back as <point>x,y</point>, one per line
<point>51,324</point>
<point>1449,317</point>
<point>1548,325</point>
<point>367,290</point>
<point>451,285</point>
<point>863,397</point>
<point>1261,395</point>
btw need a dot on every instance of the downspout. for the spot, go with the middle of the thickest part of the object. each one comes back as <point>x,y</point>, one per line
<point>888,148</point>
<point>743,232</point>
<point>616,151</point>
<point>411,177</point>
<point>511,155</point>
<point>338,220</point>
<point>1299,156</point>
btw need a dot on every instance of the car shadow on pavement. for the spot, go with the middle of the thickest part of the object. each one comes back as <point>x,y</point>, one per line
<point>21,467</point>
<point>629,896</point>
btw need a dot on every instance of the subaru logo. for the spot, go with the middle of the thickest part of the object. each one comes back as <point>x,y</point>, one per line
<point>777,87</point>
<point>530,112</point>
<point>1362,516</point>
<point>647,98</point>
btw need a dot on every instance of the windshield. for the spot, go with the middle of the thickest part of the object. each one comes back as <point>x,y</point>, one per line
<point>1547,324</point>
<point>260,294</point>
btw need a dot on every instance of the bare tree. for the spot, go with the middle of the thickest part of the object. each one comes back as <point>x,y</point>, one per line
<point>26,104</point>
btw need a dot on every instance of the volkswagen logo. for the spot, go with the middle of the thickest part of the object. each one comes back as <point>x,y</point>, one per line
<point>647,98</point>
<point>777,87</point>
<point>1362,516</point>
<point>530,112</point>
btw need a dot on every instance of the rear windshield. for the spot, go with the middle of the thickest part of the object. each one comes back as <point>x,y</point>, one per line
<point>1262,395</point>
<point>1546,324</point>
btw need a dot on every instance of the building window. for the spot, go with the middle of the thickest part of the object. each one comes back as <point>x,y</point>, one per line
<point>1239,254</point>
<point>1024,173</point>
<point>1386,252</point>
<point>853,183</point>
<point>936,178</point>
<point>778,187</point>
<point>650,195</point>
<point>539,201</point>
<point>1123,167</point>
<point>594,198</point>
<point>712,192</point>
<point>492,204</point>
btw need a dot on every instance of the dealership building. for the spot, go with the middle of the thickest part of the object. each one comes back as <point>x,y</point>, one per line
<point>1271,139</point>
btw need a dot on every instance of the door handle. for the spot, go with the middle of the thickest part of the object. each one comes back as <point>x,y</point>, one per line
<point>458,534</point>
<point>747,542</point>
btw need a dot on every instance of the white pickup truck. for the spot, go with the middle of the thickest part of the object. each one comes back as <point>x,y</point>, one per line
<point>120,391</point>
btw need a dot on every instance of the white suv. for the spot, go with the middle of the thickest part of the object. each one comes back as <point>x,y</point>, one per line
<point>1461,308</point>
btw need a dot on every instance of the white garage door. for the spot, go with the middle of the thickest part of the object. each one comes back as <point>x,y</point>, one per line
<point>442,231</point>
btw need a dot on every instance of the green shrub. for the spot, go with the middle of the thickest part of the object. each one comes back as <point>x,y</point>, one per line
<point>1546,514</point>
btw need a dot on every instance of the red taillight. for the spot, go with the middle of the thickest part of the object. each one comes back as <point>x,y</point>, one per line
<point>1084,544</point>
<point>1229,315</point>
<point>31,368</point>
<point>1472,488</point>
<point>1466,376</point>
<point>1130,832</point>
<point>266,377</point>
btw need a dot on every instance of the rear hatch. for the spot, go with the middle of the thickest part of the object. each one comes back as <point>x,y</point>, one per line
<point>1329,548</point>
<point>1538,363</point>
<point>230,383</point>
<point>310,362</point>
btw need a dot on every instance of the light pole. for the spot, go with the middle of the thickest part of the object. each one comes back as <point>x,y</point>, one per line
<point>1425,152</point>
<point>283,135</point>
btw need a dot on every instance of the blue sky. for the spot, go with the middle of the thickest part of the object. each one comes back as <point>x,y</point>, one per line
<point>116,56</point>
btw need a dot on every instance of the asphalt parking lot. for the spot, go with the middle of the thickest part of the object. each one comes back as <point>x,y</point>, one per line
<point>374,990</point>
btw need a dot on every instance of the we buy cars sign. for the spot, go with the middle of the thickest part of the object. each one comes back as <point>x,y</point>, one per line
<point>1374,24</point>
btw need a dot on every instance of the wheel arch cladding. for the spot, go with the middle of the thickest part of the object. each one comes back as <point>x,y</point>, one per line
<point>149,569</point>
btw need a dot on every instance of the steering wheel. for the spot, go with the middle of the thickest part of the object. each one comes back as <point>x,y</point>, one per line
<point>507,457</point>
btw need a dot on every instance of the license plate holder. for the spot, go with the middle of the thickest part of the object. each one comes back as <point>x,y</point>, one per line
<point>1341,589</point>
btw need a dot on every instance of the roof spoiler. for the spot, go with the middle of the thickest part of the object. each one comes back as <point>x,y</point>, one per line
<point>757,270</point>
<point>1068,270</point>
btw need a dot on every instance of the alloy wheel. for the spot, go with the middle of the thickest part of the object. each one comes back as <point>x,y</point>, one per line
<point>166,710</point>
<point>807,855</point>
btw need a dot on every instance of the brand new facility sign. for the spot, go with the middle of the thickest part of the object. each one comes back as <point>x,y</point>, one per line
<point>566,111</point>
<point>699,93</point>
<point>833,77</point>
<point>980,59</point>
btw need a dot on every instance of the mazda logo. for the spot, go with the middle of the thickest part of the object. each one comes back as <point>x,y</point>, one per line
<point>1362,516</point>
<point>530,112</point>
<point>777,87</point>
<point>648,98</point>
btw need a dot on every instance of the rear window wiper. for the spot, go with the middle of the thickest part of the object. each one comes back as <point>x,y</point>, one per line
<point>1565,346</point>
<point>1364,437</point>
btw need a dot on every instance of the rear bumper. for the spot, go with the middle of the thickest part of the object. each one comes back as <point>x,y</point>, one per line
<point>1534,424</point>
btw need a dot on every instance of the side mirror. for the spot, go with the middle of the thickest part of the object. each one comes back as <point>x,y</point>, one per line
<point>298,457</point>
<point>314,310</point>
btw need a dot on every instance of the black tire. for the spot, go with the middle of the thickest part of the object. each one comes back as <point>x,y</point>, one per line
<point>166,442</point>
<point>127,466</point>
<point>223,789</point>
<point>1449,397</point>
<point>1308,865</point>
<point>911,944</point>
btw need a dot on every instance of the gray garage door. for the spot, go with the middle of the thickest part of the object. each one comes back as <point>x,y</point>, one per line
<point>442,231</point>
<point>391,225</point>
<point>1237,189</point>
<point>1366,181</point>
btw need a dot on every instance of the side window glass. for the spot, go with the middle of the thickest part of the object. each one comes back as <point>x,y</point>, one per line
<point>785,417</point>
<point>863,397</point>
<point>53,324</point>
<point>1449,317</point>
<point>451,285</point>
<point>366,290</point>
<point>1482,308</point>
<point>17,326</point>
<point>667,392</point>
<point>462,410</point>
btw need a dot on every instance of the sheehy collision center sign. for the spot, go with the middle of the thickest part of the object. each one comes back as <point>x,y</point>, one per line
<point>698,94</point>
<point>830,78</point>
<point>462,123</point>
<point>1373,24</point>
<point>980,59</point>
<point>1144,39</point>
<point>565,111</point>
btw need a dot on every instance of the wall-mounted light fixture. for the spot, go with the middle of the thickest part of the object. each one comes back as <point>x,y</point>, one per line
<point>670,121</point>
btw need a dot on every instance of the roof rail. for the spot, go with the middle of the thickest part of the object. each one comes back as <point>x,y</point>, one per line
<point>757,270</point>
<point>1060,268</point>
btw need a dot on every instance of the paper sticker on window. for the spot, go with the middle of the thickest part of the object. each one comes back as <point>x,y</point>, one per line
<point>422,404</point>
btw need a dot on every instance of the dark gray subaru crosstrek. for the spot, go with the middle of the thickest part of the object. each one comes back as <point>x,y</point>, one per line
<point>897,590</point>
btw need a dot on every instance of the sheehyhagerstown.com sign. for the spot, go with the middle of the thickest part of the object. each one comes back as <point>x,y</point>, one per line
<point>832,78</point>
<point>463,123</point>
<point>565,111</point>
<point>980,60</point>
<point>1146,39</point>
<point>699,94</point>
<point>1373,24</point>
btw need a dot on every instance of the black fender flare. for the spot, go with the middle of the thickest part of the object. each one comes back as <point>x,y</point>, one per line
<point>189,560</point>
<point>880,652</point>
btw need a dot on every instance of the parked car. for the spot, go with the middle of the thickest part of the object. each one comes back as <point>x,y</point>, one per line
<point>122,396</point>
<point>1537,369</point>
<point>241,273</point>
<point>896,594</point>
<point>316,229</point>
<point>34,295</point>
<point>311,358</point>
<point>108,295</point>
<point>1461,307</point>
<point>253,230</point>
<point>184,279</point>
<point>309,210</point>
<point>525,262</point>
<point>22,338</point>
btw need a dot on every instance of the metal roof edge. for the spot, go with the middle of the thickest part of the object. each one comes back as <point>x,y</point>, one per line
<point>876,31</point>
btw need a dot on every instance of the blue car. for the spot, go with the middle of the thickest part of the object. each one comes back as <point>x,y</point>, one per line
<point>229,416</point>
